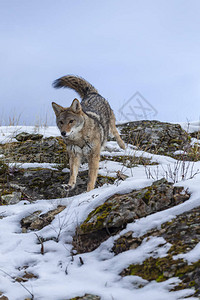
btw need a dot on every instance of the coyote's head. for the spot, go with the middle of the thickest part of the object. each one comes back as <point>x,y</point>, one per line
<point>69,120</point>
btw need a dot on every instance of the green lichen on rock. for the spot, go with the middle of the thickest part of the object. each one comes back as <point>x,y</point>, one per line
<point>150,269</point>
<point>161,269</point>
<point>182,233</point>
<point>97,219</point>
<point>155,136</point>
<point>147,195</point>
<point>51,150</point>
<point>112,216</point>
<point>179,247</point>
<point>43,183</point>
<point>126,242</point>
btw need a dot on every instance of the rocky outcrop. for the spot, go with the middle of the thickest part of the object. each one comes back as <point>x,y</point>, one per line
<point>183,233</point>
<point>111,217</point>
<point>154,136</point>
<point>49,150</point>
<point>18,184</point>
<point>31,184</point>
<point>37,221</point>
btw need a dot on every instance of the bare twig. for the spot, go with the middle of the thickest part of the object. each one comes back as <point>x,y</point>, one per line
<point>32,296</point>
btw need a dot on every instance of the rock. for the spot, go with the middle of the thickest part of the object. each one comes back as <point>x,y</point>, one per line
<point>50,150</point>
<point>41,183</point>
<point>161,269</point>
<point>30,221</point>
<point>24,136</point>
<point>3,169</point>
<point>154,136</point>
<point>26,277</point>
<point>195,134</point>
<point>118,210</point>
<point>2,297</point>
<point>13,198</point>
<point>126,242</point>
<point>87,297</point>
<point>37,221</point>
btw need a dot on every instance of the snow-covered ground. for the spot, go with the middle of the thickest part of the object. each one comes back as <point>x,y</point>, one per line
<point>191,126</point>
<point>7,133</point>
<point>61,276</point>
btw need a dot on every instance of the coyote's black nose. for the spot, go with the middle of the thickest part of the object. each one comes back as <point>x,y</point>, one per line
<point>63,133</point>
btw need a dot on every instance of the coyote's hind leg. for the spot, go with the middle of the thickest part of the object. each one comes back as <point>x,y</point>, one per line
<point>114,131</point>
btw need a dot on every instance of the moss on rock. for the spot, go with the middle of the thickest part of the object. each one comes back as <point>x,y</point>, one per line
<point>155,136</point>
<point>112,216</point>
<point>97,219</point>
<point>51,150</point>
<point>183,234</point>
<point>161,269</point>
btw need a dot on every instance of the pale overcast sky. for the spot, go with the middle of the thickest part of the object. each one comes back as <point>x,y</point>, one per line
<point>121,47</point>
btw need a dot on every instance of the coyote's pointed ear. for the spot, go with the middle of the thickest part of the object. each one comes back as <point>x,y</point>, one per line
<point>57,108</point>
<point>76,106</point>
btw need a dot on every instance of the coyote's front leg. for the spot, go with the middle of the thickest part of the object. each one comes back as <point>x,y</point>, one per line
<point>74,163</point>
<point>93,163</point>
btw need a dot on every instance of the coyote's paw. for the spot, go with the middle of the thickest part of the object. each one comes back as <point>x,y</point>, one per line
<point>122,145</point>
<point>69,187</point>
<point>66,189</point>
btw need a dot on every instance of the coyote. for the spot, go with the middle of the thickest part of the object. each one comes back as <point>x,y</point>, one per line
<point>85,127</point>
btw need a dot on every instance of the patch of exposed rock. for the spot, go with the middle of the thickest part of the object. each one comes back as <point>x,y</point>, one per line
<point>37,221</point>
<point>195,134</point>
<point>118,210</point>
<point>24,136</point>
<point>154,136</point>
<point>2,297</point>
<point>87,297</point>
<point>12,198</point>
<point>49,150</point>
<point>39,183</point>
<point>183,232</point>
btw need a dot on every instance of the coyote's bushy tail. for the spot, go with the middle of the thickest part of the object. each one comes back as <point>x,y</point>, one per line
<point>80,85</point>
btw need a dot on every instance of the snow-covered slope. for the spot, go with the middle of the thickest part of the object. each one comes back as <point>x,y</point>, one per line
<point>60,275</point>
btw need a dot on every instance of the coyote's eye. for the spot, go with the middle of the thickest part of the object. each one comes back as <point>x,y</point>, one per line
<point>61,122</point>
<point>71,121</point>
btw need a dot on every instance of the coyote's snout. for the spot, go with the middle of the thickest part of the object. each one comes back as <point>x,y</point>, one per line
<point>84,127</point>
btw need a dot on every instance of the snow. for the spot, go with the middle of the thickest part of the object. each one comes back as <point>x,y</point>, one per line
<point>61,275</point>
<point>8,133</point>
<point>191,256</point>
<point>33,165</point>
<point>191,126</point>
